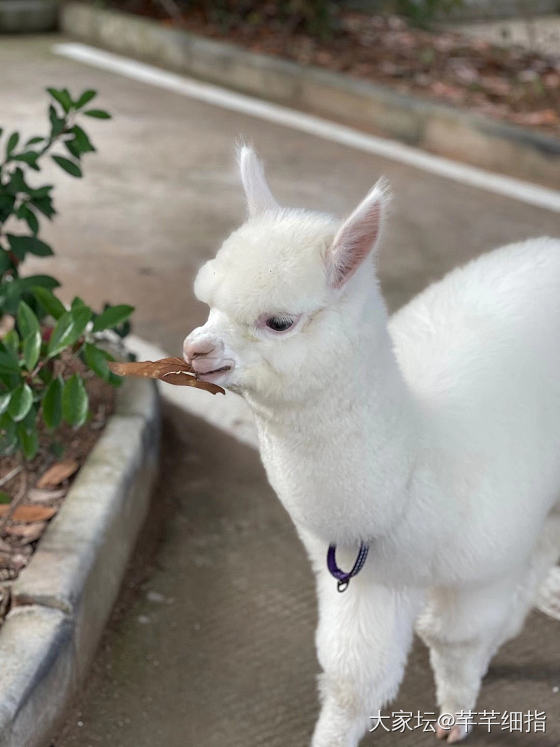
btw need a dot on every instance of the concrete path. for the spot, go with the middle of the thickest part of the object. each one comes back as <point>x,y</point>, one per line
<point>211,643</point>
<point>537,33</point>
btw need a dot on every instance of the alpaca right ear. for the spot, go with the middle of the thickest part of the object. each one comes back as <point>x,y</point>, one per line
<point>258,194</point>
<point>357,236</point>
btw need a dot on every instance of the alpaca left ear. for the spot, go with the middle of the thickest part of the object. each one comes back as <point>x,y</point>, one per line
<point>358,235</point>
<point>258,194</point>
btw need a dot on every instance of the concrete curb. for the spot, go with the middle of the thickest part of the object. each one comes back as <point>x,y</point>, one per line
<point>434,127</point>
<point>61,601</point>
<point>28,16</point>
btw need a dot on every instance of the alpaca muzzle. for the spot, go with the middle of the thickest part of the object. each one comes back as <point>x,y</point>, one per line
<point>205,353</point>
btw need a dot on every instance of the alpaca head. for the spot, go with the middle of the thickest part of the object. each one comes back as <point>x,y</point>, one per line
<point>287,293</point>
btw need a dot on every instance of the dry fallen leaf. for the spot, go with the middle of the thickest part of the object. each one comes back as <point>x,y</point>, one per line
<point>39,495</point>
<point>171,370</point>
<point>27,533</point>
<point>30,513</point>
<point>59,472</point>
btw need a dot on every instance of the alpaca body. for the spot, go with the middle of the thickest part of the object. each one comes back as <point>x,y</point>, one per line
<point>434,436</point>
<point>481,451</point>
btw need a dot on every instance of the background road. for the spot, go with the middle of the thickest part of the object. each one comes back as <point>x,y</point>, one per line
<point>211,643</point>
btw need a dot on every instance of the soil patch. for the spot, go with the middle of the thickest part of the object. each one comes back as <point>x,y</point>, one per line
<point>507,83</point>
<point>39,486</point>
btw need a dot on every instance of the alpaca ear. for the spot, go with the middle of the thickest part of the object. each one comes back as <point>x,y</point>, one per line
<point>258,194</point>
<point>357,236</point>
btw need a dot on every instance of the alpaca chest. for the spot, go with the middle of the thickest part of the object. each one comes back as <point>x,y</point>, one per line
<point>337,494</point>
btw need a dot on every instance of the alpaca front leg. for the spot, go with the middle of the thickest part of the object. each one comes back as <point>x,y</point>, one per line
<point>363,639</point>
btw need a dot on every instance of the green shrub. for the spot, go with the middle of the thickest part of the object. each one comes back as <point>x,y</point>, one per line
<point>38,334</point>
<point>423,12</point>
<point>315,17</point>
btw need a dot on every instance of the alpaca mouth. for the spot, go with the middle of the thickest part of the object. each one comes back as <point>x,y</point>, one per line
<point>214,371</point>
<point>214,374</point>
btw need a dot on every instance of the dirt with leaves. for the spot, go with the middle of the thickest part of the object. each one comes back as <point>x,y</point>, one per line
<point>507,83</point>
<point>32,491</point>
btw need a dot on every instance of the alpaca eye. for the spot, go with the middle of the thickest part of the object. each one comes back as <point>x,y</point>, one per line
<point>279,323</point>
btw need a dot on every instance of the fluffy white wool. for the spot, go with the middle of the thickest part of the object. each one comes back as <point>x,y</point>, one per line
<point>433,435</point>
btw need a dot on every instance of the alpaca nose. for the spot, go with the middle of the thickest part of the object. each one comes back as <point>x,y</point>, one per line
<point>205,353</point>
<point>201,346</point>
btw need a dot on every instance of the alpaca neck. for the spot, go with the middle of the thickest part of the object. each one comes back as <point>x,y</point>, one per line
<point>341,460</point>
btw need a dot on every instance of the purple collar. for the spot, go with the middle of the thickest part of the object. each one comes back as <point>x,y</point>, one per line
<point>342,577</point>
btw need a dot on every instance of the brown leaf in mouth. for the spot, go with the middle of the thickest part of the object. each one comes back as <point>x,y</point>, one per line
<point>172,370</point>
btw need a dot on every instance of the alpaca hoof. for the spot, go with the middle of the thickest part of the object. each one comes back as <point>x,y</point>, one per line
<point>456,733</point>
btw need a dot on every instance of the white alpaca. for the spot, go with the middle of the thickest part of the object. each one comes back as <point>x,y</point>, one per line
<point>434,436</point>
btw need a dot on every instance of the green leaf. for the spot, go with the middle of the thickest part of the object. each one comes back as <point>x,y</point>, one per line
<point>112,316</point>
<point>97,114</point>
<point>85,98</point>
<point>17,183</point>
<point>5,261</point>
<point>11,342</point>
<point>49,302</point>
<point>7,203</point>
<point>74,401</point>
<point>52,403</point>
<point>34,141</point>
<point>77,301</point>
<point>62,334</point>
<point>5,498</point>
<point>45,281</point>
<point>62,96</point>
<point>25,213</point>
<point>44,205</point>
<point>31,350</point>
<point>42,191</point>
<point>29,157</point>
<point>96,359</point>
<point>4,401</point>
<point>29,441</point>
<point>26,320</point>
<point>20,403</point>
<point>68,329</point>
<point>115,381</point>
<point>57,123</point>
<point>82,140</point>
<point>13,140</point>
<point>69,166</point>
<point>20,245</point>
<point>73,148</point>
<point>8,364</point>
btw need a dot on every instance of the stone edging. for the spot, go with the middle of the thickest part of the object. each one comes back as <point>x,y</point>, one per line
<point>62,599</point>
<point>28,16</point>
<point>441,129</point>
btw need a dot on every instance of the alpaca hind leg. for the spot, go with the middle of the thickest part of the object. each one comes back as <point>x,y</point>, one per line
<point>462,628</point>
<point>548,596</point>
<point>542,559</point>
<point>363,639</point>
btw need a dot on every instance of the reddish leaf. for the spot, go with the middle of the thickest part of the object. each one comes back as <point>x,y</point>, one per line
<point>59,472</point>
<point>27,533</point>
<point>171,370</point>
<point>29,514</point>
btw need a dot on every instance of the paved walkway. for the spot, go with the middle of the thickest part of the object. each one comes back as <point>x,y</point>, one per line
<point>537,33</point>
<point>211,643</point>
